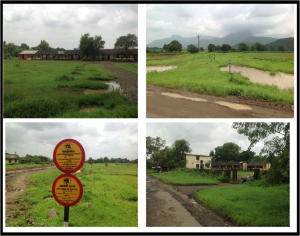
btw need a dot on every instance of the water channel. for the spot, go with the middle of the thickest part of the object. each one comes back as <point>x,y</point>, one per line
<point>282,80</point>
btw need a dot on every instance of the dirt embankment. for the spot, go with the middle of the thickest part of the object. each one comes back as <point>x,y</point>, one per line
<point>175,103</point>
<point>128,80</point>
<point>175,206</point>
<point>16,185</point>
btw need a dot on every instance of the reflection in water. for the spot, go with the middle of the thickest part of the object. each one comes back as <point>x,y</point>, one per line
<point>282,80</point>
<point>111,86</point>
<point>159,68</point>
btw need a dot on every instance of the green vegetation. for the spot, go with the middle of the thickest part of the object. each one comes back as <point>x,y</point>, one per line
<point>54,89</point>
<point>19,165</point>
<point>244,173</point>
<point>187,177</point>
<point>200,73</point>
<point>129,67</point>
<point>286,43</point>
<point>112,191</point>
<point>249,204</point>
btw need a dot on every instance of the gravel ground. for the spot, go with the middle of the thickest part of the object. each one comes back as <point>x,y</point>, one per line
<point>128,80</point>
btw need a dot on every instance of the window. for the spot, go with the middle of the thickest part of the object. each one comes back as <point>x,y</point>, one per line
<point>201,161</point>
<point>197,166</point>
<point>197,158</point>
<point>209,162</point>
<point>207,165</point>
<point>16,160</point>
<point>9,161</point>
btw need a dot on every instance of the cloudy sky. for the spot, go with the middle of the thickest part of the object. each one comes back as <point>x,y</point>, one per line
<point>203,137</point>
<point>62,25</point>
<point>218,20</point>
<point>99,139</point>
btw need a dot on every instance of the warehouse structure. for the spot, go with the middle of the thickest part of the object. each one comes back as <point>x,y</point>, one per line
<point>105,55</point>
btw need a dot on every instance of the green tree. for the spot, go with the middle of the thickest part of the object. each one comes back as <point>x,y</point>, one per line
<point>271,47</point>
<point>226,47</point>
<point>228,152</point>
<point>89,45</point>
<point>179,149</point>
<point>24,46</point>
<point>106,159</point>
<point>281,48</point>
<point>211,47</point>
<point>154,144</point>
<point>201,49</point>
<point>43,45</point>
<point>246,156</point>
<point>10,48</point>
<point>165,47</point>
<point>218,48</point>
<point>175,46</point>
<point>243,47</point>
<point>126,42</point>
<point>192,48</point>
<point>276,151</point>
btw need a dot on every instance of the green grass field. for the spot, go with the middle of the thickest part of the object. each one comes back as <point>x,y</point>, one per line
<point>19,165</point>
<point>250,204</point>
<point>200,73</point>
<point>54,89</point>
<point>112,190</point>
<point>129,67</point>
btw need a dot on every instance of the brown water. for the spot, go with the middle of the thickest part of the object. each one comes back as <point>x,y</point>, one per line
<point>159,68</point>
<point>282,80</point>
<point>234,106</point>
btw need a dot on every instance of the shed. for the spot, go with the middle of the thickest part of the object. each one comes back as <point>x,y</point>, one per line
<point>27,54</point>
<point>11,158</point>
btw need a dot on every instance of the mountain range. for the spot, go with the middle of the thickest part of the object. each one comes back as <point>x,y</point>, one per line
<point>231,39</point>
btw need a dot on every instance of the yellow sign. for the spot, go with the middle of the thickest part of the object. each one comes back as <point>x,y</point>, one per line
<point>67,190</point>
<point>69,155</point>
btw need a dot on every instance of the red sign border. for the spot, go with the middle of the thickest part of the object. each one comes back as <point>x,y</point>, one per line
<point>82,159</point>
<point>80,187</point>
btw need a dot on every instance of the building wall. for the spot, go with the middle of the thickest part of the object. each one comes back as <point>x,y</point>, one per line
<point>193,163</point>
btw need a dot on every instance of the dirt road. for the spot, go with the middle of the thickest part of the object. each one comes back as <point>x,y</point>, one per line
<point>127,80</point>
<point>174,103</point>
<point>15,186</point>
<point>169,206</point>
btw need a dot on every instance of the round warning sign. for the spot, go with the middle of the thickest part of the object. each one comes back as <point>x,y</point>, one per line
<point>68,156</point>
<point>67,190</point>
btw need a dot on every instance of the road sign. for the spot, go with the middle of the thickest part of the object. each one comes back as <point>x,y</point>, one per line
<point>67,190</point>
<point>68,156</point>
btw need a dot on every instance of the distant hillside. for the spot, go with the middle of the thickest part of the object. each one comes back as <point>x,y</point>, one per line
<point>231,39</point>
<point>287,43</point>
<point>249,44</point>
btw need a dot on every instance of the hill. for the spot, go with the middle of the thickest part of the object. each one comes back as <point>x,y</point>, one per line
<point>231,39</point>
<point>287,43</point>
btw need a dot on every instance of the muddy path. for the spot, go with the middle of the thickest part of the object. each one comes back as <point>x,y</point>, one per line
<point>170,206</point>
<point>127,80</point>
<point>15,185</point>
<point>175,103</point>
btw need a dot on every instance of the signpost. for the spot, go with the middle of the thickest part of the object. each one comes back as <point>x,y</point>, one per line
<point>67,190</point>
<point>229,61</point>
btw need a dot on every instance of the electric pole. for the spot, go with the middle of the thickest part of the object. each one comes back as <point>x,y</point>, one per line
<point>199,41</point>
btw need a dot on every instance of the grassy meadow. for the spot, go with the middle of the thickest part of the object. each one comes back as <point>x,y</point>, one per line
<point>200,73</point>
<point>55,89</point>
<point>19,165</point>
<point>129,67</point>
<point>112,190</point>
<point>250,204</point>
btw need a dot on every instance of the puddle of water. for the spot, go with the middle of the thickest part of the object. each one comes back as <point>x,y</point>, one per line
<point>172,95</point>
<point>159,68</point>
<point>282,80</point>
<point>111,86</point>
<point>234,105</point>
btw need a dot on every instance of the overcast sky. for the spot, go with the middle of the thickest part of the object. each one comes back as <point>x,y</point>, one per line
<point>62,25</point>
<point>218,20</point>
<point>99,139</point>
<point>203,137</point>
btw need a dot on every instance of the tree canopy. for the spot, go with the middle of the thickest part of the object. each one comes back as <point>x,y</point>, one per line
<point>276,150</point>
<point>91,45</point>
<point>192,48</point>
<point>126,42</point>
<point>211,47</point>
<point>227,152</point>
<point>43,45</point>
<point>243,47</point>
<point>174,46</point>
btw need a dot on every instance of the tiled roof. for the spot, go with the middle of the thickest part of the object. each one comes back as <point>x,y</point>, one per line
<point>28,52</point>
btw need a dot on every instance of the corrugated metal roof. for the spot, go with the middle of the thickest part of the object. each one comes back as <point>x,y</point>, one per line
<point>28,52</point>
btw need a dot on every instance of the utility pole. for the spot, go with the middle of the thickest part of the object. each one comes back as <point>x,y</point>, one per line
<point>199,41</point>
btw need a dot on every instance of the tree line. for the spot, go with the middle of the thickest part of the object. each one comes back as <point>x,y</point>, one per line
<point>88,45</point>
<point>111,160</point>
<point>36,159</point>
<point>160,154</point>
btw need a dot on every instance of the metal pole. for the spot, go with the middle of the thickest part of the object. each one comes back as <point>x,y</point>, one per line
<point>66,217</point>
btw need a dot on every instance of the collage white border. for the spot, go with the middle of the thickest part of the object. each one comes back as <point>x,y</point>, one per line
<point>142,122</point>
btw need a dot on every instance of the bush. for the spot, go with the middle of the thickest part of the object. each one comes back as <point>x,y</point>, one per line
<point>106,163</point>
<point>223,178</point>
<point>192,48</point>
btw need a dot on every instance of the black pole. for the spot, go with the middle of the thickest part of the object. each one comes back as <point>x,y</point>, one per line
<point>66,217</point>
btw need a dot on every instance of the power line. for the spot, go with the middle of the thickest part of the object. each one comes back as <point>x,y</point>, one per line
<point>186,131</point>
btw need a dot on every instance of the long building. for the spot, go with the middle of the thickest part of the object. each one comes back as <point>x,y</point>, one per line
<point>105,55</point>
